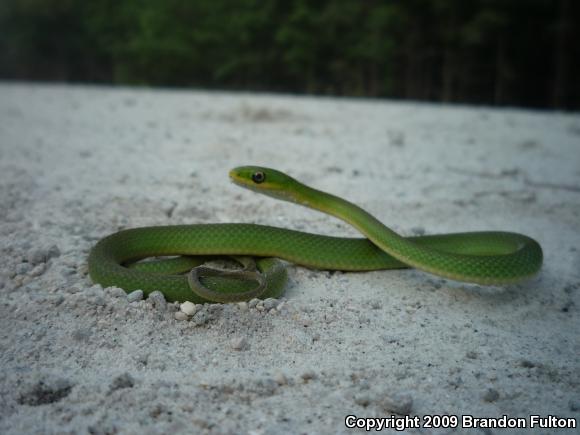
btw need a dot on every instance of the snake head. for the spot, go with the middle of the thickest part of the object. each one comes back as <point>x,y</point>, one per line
<point>266,181</point>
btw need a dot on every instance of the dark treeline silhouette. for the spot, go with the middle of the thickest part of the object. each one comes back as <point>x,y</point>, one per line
<point>501,52</point>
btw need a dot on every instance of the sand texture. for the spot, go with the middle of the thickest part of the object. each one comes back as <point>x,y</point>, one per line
<point>78,163</point>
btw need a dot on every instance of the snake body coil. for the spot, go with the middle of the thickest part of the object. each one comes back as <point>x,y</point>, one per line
<point>489,258</point>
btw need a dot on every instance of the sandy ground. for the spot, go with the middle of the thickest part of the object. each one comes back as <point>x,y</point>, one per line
<point>77,163</point>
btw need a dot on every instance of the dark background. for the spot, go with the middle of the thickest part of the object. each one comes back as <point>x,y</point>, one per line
<point>495,52</point>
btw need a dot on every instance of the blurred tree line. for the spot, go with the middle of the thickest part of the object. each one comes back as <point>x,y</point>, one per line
<point>503,52</point>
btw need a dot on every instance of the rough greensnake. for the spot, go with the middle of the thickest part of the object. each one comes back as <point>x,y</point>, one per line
<point>487,258</point>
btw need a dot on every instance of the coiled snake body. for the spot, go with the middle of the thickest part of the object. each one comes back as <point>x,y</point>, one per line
<point>488,258</point>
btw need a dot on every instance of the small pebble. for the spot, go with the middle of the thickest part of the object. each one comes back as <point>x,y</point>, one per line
<point>491,395</point>
<point>243,306</point>
<point>38,270</point>
<point>188,308</point>
<point>179,315</point>
<point>36,256</point>
<point>362,399</point>
<point>238,343</point>
<point>527,363</point>
<point>98,299</point>
<point>135,296</point>
<point>280,378</point>
<point>40,255</point>
<point>158,300</point>
<point>397,403</point>
<point>253,303</point>
<point>308,375</point>
<point>116,292</point>
<point>122,381</point>
<point>53,251</point>
<point>260,307</point>
<point>270,303</point>
<point>200,318</point>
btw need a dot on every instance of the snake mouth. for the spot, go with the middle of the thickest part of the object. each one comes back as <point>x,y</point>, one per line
<point>237,179</point>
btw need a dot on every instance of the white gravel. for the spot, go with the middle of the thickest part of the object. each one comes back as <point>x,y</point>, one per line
<point>188,308</point>
<point>77,163</point>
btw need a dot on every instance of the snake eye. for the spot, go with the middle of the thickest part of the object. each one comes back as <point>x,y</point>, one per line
<point>258,177</point>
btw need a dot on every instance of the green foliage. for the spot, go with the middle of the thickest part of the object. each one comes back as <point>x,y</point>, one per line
<point>490,51</point>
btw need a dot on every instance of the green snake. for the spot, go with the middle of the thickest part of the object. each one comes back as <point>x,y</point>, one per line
<point>487,258</point>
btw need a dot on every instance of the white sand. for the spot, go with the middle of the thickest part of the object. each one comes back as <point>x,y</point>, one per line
<point>77,163</point>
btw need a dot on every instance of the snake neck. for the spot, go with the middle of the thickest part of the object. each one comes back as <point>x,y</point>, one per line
<point>348,212</point>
